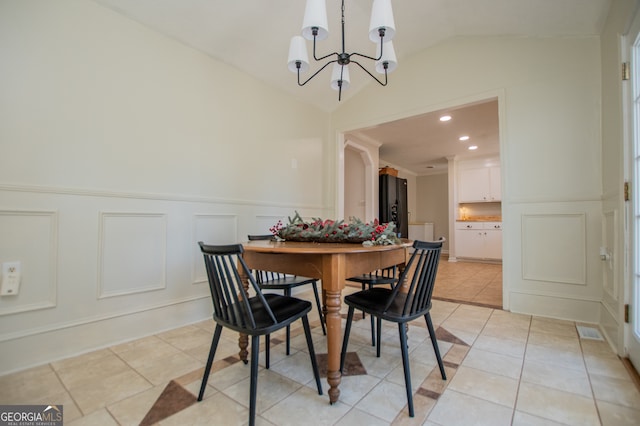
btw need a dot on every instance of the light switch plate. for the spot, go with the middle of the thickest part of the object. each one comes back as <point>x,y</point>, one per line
<point>11,273</point>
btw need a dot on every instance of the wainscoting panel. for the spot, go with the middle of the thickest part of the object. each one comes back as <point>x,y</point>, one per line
<point>132,253</point>
<point>554,248</point>
<point>211,229</point>
<point>30,237</point>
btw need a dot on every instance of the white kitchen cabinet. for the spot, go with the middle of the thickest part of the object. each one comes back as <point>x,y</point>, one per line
<point>480,184</point>
<point>469,241</point>
<point>479,240</point>
<point>493,240</point>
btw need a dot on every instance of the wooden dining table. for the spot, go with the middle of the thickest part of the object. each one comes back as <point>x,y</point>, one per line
<point>332,263</point>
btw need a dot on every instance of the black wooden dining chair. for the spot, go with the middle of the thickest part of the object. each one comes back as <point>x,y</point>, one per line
<point>401,307</point>
<point>268,280</point>
<point>386,276</point>
<point>255,316</point>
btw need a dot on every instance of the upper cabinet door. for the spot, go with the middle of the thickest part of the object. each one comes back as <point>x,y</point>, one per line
<point>479,185</point>
<point>474,185</point>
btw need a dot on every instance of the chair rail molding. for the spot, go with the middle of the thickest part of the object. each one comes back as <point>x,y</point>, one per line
<point>151,196</point>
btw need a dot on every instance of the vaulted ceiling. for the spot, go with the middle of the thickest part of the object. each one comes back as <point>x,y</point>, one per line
<point>254,35</point>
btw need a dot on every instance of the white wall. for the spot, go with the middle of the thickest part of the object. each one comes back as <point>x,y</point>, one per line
<point>549,103</point>
<point>357,179</point>
<point>355,184</point>
<point>432,204</point>
<point>126,148</point>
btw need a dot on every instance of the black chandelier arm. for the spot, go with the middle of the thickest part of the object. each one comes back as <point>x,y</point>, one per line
<point>314,51</point>
<point>340,84</point>
<point>373,76</point>
<point>367,57</point>
<point>381,31</point>
<point>315,73</point>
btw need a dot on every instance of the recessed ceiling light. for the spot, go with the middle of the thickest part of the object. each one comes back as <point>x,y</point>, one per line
<point>463,138</point>
<point>472,147</point>
<point>445,118</point>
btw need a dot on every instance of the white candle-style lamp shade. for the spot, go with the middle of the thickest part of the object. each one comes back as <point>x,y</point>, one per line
<point>315,15</point>
<point>298,52</point>
<point>389,56</point>
<point>381,17</point>
<point>335,76</point>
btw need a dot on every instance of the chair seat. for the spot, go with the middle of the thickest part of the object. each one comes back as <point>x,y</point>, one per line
<point>373,302</point>
<point>286,310</point>
<point>372,279</point>
<point>285,282</point>
<point>386,276</point>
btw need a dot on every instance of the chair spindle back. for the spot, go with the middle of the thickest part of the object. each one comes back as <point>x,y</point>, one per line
<point>421,272</point>
<point>230,302</point>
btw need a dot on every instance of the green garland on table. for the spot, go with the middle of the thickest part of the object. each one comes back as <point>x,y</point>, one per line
<point>336,231</point>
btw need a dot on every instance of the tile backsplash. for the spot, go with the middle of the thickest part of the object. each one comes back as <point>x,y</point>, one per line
<point>472,210</point>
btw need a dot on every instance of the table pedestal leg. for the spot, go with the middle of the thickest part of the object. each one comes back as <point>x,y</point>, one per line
<point>243,343</point>
<point>334,328</point>
<point>324,306</point>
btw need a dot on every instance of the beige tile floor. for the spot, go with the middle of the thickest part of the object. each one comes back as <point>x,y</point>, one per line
<point>502,368</point>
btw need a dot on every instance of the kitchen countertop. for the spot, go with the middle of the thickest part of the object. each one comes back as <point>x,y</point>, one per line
<point>481,219</point>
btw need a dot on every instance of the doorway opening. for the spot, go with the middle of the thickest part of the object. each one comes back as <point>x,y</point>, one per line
<point>422,149</point>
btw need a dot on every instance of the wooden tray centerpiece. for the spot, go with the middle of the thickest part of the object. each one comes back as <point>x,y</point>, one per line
<point>336,231</point>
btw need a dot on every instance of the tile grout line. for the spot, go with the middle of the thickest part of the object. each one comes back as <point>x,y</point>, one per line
<point>584,363</point>
<point>66,388</point>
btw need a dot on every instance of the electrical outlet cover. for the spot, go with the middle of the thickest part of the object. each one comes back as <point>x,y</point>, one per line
<point>11,272</point>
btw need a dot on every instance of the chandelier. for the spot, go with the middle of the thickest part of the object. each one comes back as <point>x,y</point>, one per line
<point>314,27</point>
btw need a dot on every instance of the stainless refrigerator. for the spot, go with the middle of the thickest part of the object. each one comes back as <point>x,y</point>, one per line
<point>393,203</point>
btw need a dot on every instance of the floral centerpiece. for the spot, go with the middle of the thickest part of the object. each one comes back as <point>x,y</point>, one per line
<point>336,231</point>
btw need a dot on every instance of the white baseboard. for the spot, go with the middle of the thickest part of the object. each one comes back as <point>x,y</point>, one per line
<point>558,307</point>
<point>35,349</point>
